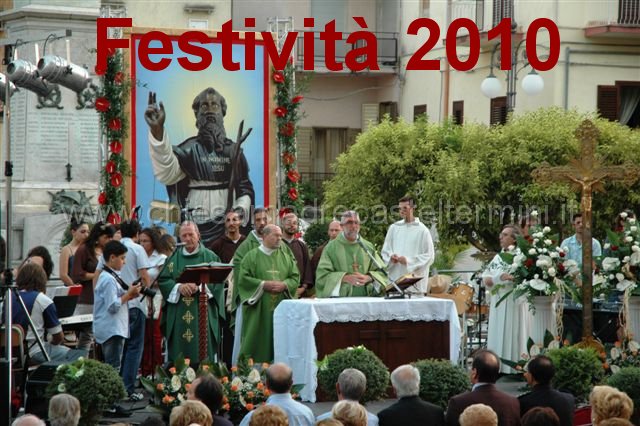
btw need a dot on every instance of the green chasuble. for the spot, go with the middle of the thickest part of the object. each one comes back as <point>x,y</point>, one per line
<point>250,243</point>
<point>180,320</point>
<point>245,247</point>
<point>256,340</point>
<point>341,257</point>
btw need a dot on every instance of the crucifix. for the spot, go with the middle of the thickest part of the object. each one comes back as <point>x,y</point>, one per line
<point>587,175</point>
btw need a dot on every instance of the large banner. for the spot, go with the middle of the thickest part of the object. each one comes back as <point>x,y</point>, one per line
<point>201,141</point>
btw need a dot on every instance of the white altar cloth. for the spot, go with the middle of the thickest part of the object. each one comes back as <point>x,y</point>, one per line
<point>295,320</point>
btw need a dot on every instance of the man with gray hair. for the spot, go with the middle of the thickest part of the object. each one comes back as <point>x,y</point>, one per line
<point>351,386</point>
<point>345,268</point>
<point>28,420</point>
<point>267,275</point>
<point>410,409</point>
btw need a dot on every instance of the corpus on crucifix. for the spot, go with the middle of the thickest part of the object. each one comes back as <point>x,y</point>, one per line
<point>587,175</point>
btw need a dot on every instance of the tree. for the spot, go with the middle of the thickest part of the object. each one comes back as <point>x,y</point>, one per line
<point>474,179</point>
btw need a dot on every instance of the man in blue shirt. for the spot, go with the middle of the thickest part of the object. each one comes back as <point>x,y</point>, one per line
<point>573,244</point>
<point>279,382</point>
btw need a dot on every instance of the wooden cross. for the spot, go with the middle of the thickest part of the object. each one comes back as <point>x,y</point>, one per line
<point>587,175</point>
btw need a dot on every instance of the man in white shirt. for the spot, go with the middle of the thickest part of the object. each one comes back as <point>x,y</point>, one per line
<point>408,247</point>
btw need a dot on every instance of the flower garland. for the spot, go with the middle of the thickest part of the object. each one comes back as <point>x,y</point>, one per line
<point>288,99</point>
<point>110,103</point>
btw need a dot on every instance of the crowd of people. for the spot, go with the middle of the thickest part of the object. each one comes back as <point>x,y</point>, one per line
<point>483,405</point>
<point>145,314</point>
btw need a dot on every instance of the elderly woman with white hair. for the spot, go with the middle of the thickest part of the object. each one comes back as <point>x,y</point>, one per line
<point>64,410</point>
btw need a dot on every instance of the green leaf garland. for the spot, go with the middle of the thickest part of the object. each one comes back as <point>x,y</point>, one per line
<point>110,104</point>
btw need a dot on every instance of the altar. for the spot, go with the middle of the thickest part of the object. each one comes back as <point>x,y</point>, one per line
<point>399,331</point>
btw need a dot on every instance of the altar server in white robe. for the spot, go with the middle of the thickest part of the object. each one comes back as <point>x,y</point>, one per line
<point>408,247</point>
<point>510,322</point>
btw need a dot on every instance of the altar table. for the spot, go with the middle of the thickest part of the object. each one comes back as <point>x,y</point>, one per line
<point>384,324</point>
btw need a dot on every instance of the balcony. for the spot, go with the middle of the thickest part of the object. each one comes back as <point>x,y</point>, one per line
<point>475,10</point>
<point>616,19</point>
<point>387,52</point>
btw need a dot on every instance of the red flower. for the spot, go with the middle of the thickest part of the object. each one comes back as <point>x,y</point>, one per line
<point>614,248</point>
<point>288,158</point>
<point>562,254</point>
<point>297,99</point>
<point>115,124</point>
<point>114,218</point>
<point>99,71</point>
<point>528,263</point>
<point>287,129</point>
<point>115,147</point>
<point>110,167</point>
<point>102,198</point>
<point>280,111</point>
<point>278,77</point>
<point>293,194</point>
<point>116,180</point>
<point>560,267</point>
<point>293,176</point>
<point>119,77</point>
<point>102,104</point>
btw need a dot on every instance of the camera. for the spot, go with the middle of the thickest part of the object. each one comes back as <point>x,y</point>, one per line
<point>148,292</point>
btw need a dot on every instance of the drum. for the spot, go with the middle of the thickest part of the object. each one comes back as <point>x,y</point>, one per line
<point>462,296</point>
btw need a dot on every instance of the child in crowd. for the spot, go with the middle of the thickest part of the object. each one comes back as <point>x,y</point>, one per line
<point>110,311</point>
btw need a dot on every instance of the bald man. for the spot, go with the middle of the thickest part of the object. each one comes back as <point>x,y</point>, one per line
<point>279,382</point>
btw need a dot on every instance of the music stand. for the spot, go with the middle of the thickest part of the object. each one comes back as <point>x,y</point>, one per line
<point>205,274</point>
<point>396,288</point>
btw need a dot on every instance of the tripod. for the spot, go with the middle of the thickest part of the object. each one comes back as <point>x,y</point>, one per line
<point>8,289</point>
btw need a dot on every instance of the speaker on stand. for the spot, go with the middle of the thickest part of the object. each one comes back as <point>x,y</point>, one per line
<point>36,389</point>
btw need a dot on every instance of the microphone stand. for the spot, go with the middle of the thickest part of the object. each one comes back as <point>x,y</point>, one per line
<point>401,292</point>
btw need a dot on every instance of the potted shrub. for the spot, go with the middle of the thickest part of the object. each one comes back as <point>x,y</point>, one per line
<point>96,385</point>
<point>627,380</point>
<point>440,380</point>
<point>577,370</point>
<point>361,358</point>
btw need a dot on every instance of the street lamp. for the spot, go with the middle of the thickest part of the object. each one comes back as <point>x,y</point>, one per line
<point>532,83</point>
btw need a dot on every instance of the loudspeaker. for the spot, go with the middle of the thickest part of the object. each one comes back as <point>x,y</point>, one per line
<point>36,389</point>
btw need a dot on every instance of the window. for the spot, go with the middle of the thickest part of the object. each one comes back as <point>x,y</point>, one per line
<point>425,5</point>
<point>199,24</point>
<point>502,9</point>
<point>498,113</point>
<point>390,108</point>
<point>419,111</point>
<point>457,111</point>
<point>608,102</point>
<point>620,102</point>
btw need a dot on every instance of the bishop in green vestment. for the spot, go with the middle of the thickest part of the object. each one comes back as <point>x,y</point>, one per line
<point>345,269</point>
<point>268,274</point>
<point>180,316</point>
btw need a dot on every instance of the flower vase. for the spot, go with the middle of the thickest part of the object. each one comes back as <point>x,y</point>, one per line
<point>543,319</point>
<point>633,322</point>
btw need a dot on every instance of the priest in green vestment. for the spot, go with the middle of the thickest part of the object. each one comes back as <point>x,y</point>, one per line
<point>268,274</point>
<point>253,240</point>
<point>345,269</point>
<point>180,316</point>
